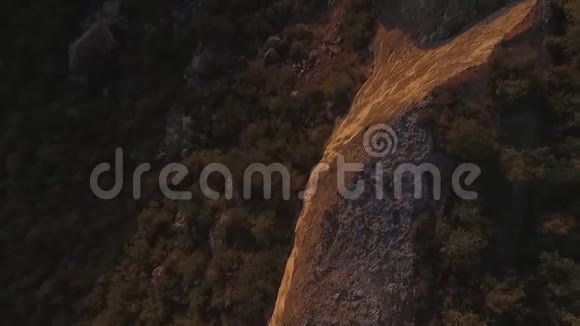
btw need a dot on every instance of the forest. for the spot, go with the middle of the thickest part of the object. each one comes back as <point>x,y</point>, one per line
<point>239,82</point>
<point>70,258</point>
<point>511,257</point>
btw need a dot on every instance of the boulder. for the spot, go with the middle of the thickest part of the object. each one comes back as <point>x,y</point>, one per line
<point>273,42</point>
<point>430,22</point>
<point>178,136</point>
<point>313,56</point>
<point>201,65</point>
<point>271,57</point>
<point>112,14</point>
<point>111,9</point>
<point>333,49</point>
<point>90,52</point>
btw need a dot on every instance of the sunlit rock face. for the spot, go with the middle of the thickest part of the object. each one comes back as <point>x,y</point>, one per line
<point>354,258</point>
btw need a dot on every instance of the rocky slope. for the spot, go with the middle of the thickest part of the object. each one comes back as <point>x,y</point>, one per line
<point>352,261</point>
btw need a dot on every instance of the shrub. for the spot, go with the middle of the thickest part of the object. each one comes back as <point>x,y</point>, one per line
<point>515,165</point>
<point>298,50</point>
<point>300,32</point>
<point>503,297</point>
<point>257,281</point>
<point>462,318</point>
<point>358,24</point>
<point>336,86</point>
<point>558,270</point>
<point>464,245</point>
<point>555,49</point>
<point>263,228</point>
<point>513,90</point>
<point>469,140</point>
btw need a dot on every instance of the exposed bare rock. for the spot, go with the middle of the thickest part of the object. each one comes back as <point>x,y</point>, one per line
<point>356,261</point>
<point>202,65</point>
<point>333,49</point>
<point>433,21</point>
<point>111,9</point>
<point>180,223</point>
<point>313,56</point>
<point>91,51</point>
<point>273,42</point>
<point>158,275</point>
<point>177,142</point>
<point>271,57</point>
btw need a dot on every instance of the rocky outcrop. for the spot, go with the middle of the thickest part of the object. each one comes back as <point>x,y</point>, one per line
<point>356,259</point>
<point>273,42</point>
<point>177,142</point>
<point>90,51</point>
<point>271,57</point>
<point>93,50</point>
<point>352,261</point>
<point>202,65</point>
<point>434,21</point>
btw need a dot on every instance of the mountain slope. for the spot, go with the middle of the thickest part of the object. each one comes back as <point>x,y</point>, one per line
<point>348,262</point>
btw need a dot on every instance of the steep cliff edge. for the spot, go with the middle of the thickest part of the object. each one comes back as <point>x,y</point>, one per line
<point>352,261</point>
